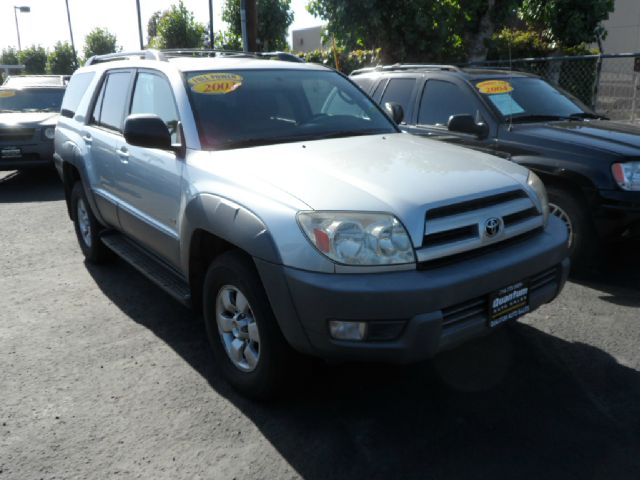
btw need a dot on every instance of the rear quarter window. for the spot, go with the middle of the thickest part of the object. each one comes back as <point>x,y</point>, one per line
<point>75,91</point>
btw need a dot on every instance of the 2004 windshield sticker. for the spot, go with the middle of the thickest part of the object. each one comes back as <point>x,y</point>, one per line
<point>215,83</point>
<point>491,87</point>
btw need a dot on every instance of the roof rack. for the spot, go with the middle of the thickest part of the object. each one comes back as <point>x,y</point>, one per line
<point>150,54</point>
<point>164,55</point>
<point>404,66</point>
<point>192,52</point>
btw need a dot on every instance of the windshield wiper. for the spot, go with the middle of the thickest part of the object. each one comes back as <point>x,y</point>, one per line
<point>594,116</point>
<point>538,118</point>
<point>258,141</point>
<point>348,133</point>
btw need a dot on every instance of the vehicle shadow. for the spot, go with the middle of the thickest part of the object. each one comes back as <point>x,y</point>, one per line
<point>618,274</point>
<point>518,404</point>
<point>41,185</point>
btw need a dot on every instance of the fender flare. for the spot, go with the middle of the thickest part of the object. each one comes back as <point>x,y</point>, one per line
<point>229,221</point>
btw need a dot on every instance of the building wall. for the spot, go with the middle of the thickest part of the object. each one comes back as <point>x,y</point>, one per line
<point>623,27</point>
<point>307,39</point>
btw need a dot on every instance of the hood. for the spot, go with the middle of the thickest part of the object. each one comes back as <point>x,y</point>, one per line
<point>603,135</point>
<point>396,173</point>
<point>28,119</point>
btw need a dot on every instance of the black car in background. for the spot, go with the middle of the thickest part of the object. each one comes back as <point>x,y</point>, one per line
<point>590,165</point>
<point>28,116</point>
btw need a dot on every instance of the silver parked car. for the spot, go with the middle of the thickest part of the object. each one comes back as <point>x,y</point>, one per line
<point>281,202</point>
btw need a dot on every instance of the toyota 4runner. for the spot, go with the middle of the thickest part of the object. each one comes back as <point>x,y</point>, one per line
<point>280,201</point>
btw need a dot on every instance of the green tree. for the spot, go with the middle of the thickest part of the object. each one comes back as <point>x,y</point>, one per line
<point>100,42</point>
<point>9,56</point>
<point>152,24</point>
<point>177,28</point>
<point>274,19</point>
<point>34,59</point>
<point>61,60</point>
<point>406,30</point>
<point>569,23</point>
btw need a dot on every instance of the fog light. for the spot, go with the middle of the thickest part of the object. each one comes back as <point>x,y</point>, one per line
<point>347,330</point>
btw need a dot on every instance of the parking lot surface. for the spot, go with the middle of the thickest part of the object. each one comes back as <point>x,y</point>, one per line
<point>102,375</point>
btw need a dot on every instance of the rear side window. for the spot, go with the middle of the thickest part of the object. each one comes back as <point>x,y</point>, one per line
<point>110,107</point>
<point>153,94</point>
<point>399,90</point>
<point>75,91</point>
<point>442,99</point>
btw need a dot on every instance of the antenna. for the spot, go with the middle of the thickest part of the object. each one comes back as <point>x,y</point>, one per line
<point>510,83</point>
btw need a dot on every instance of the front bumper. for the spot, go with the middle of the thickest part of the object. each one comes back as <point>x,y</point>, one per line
<point>619,214</point>
<point>34,153</point>
<point>438,308</point>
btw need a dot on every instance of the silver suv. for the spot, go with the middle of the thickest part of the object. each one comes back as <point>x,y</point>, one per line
<point>281,202</point>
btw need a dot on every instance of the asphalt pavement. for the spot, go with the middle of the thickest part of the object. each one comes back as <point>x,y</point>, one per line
<point>102,375</point>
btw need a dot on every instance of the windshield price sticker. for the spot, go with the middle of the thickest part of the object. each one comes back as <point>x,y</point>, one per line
<point>7,93</point>
<point>491,87</point>
<point>215,83</point>
<point>508,304</point>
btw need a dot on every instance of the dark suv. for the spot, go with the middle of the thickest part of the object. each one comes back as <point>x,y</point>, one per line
<point>590,165</point>
<point>28,117</point>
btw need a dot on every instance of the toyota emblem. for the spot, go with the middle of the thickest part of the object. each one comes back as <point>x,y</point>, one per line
<point>492,227</point>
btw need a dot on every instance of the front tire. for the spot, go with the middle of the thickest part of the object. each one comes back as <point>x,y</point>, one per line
<point>582,235</point>
<point>87,227</point>
<point>245,338</point>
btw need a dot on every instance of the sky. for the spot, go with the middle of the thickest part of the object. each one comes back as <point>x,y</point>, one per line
<point>47,22</point>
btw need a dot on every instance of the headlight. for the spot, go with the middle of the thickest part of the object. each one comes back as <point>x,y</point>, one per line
<point>627,175</point>
<point>353,238</point>
<point>536,184</point>
<point>49,132</point>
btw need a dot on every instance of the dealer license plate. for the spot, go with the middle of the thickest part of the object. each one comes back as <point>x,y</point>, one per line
<point>508,303</point>
<point>10,152</point>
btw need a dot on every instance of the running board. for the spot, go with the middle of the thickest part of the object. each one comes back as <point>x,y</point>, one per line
<point>151,268</point>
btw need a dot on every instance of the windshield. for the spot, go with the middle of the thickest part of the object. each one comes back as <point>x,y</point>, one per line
<point>529,98</point>
<point>31,100</point>
<point>244,108</point>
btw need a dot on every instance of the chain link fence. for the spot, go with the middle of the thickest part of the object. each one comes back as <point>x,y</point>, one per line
<point>608,83</point>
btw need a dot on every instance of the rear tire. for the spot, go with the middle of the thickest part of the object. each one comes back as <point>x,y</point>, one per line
<point>583,241</point>
<point>87,227</point>
<point>246,340</point>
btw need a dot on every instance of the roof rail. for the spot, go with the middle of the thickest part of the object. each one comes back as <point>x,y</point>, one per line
<point>146,54</point>
<point>203,52</point>
<point>404,66</point>
<point>164,55</point>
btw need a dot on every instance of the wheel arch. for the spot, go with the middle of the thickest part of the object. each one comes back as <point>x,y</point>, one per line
<point>213,225</point>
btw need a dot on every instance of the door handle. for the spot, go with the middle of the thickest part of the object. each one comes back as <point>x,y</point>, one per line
<point>123,154</point>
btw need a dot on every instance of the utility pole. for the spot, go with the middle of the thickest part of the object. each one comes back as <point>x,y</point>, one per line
<point>243,25</point>
<point>252,25</point>
<point>73,45</point>
<point>249,25</point>
<point>15,13</point>
<point>139,25</point>
<point>211,42</point>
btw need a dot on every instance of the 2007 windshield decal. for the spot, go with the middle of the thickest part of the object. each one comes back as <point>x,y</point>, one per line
<point>215,83</point>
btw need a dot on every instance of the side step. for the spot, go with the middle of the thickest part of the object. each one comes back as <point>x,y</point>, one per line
<point>151,268</point>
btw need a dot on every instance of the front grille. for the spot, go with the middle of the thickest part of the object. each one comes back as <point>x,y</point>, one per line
<point>469,254</point>
<point>479,306</point>
<point>463,226</point>
<point>475,204</point>
<point>518,217</point>
<point>447,236</point>
<point>16,134</point>
<point>464,311</point>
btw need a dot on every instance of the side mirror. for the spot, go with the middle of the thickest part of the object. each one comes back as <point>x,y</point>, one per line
<point>465,123</point>
<point>395,111</point>
<point>150,131</point>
